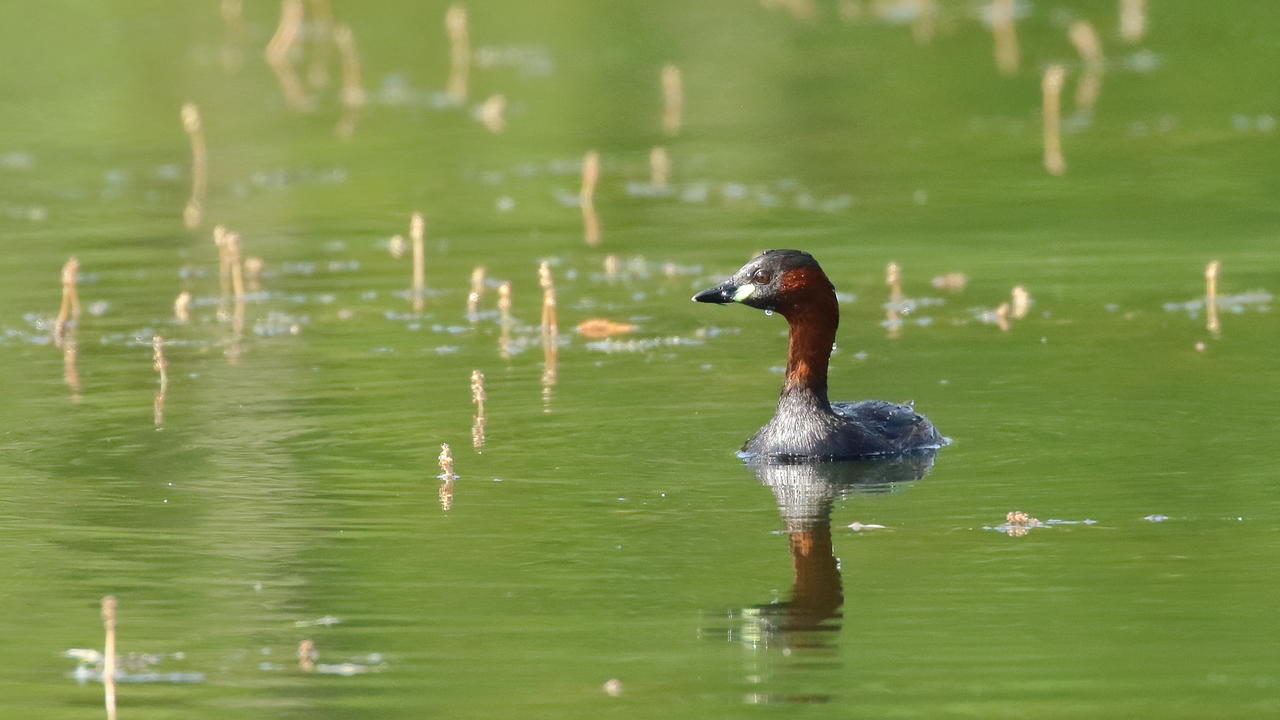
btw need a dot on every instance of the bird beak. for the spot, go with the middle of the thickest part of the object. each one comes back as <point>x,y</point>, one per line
<point>721,294</point>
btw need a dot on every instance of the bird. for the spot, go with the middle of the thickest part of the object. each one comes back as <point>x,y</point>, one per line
<point>806,424</point>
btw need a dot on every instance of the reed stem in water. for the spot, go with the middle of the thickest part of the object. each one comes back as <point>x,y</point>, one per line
<point>455,23</point>
<point>659,167</point>
<point>417,238</point>
<point>672,99</point>
<point>475,293</point>
<point>286,36</point>
<point>586,198</point>
<point>1133,20</point>
<point>1211,321</point>
<point>69,311</point>
<point>1085,39</point>
<point>109,655</point>
<point>353,97</point>
<point>1006,36</point>
<point>193,213</point>
<point>1051,87</point>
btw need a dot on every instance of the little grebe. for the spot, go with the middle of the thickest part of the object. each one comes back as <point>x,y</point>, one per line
<point>807,425</point>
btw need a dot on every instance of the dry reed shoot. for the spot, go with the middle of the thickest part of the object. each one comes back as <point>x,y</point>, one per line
<point>504,314</point>
<point>586,198</point>
<point>672,99</point>
<point>109,655</point>
<point>286,36</point>
<point>659,167</point>
<point>232,12</point>
<point>475,293</point>
<point>477,398</point>
<point>1133,20</point>
<point>1211,321</point>
<point>492,113</point>
<point>1021,302</point>
<point>446,476</point>
<point>1085,39</point>
<point>161,366</point>
<point>925,23</point>
<point>193,213</point>
<point>352,94</point>
<point>307,656</point>
<point>253,266</point>
<point>1051,87</point>
<point>417,238</point>
<point>1005,33</point>
<point>69,311</point>
<point>455,23</point>
<point>70,371</point>
<point>322,32</point>
<point>231,241</point>
<point>893,278</point>
<point>182,307</point>
<point>549,323</point>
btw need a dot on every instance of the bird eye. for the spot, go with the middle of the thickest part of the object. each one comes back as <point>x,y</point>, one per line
<point>761,277</point>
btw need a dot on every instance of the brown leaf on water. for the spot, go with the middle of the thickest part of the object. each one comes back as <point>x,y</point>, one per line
<point>603,328</point>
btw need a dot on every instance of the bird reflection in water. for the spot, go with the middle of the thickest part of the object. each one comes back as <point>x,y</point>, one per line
<point>805,628</point>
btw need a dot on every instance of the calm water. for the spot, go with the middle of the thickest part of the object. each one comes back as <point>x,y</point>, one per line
<point>607,538</point>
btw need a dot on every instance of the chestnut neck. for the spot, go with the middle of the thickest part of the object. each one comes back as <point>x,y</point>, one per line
<point>814,316</point>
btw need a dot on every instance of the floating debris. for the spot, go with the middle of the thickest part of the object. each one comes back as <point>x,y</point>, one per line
<point>1156,518</point>
<point>1017,524</point>
<point>602,328</point>
<point>951,282</point>
<point>325,621</point>
<point>612,687</point>
<point>858,527</point>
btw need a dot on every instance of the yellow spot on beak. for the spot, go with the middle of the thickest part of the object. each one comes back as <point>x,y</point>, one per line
<point>743,292</point>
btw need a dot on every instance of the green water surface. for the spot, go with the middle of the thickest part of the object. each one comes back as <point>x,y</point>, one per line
<point>607,538</point>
